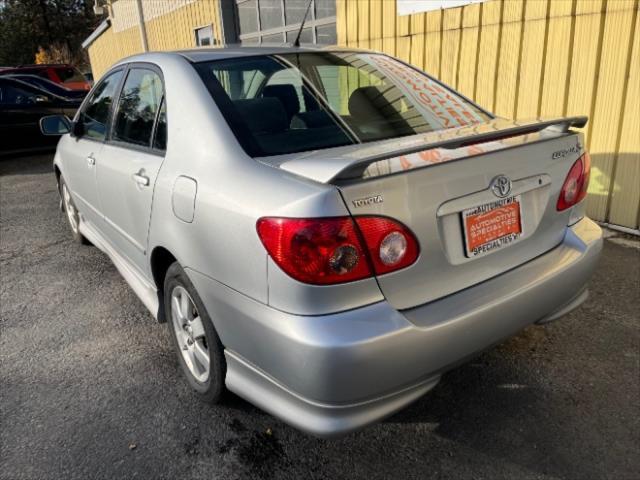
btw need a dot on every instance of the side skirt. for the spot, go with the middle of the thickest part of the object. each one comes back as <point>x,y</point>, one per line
<point>146,292</point>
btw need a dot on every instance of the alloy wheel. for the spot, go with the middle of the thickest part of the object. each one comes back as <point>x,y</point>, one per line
<point>72,213</point>
<point>190,334</point>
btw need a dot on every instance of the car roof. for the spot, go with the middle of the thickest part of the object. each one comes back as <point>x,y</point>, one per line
<point>18,81</point>
<point>21,76</point>
<point>43,65</point>
<point>204,54</point>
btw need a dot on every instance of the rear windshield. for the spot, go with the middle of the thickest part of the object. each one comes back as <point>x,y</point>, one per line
<point>289,103</point>
<point>69,75</point>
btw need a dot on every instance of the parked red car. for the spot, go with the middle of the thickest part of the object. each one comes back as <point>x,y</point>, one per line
<point>63,74</point>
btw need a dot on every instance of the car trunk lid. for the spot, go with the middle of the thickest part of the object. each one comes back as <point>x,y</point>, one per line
<point>436,183</point>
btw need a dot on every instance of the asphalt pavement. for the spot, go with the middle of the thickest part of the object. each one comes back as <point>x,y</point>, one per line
<point>91,389</point>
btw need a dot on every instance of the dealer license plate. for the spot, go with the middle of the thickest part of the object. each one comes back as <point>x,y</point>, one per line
<point>492,226</point>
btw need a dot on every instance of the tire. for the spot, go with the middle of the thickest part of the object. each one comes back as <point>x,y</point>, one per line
<point>71,212</point>
<point>193,336</point>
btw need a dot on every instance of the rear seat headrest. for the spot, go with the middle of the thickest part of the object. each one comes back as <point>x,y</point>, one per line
<point>286,94</point>
<point>366,102</point>
<point>263,115</point>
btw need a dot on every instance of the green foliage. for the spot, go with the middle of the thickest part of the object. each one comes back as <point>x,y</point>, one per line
<point>27,25</point>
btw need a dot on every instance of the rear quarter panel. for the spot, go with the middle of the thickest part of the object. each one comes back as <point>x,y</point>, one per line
<point>233,192</point>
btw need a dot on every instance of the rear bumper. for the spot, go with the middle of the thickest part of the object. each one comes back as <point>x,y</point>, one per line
<point>332,374</point>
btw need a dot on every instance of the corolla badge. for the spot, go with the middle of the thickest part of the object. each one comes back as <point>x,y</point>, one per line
<point>577,148</point>
<point>500,186</point>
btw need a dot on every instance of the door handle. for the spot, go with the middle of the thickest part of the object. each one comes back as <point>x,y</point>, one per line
<point>90,160</point>
<point>140,179</point>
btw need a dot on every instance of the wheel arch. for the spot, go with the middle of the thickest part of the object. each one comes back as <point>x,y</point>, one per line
<point>58,173</point>
<point>161,259</point>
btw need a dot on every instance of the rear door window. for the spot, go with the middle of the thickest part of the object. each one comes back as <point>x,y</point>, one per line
<point>138,106</point>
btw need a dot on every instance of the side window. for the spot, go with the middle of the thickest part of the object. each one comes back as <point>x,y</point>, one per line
<point>13,95</point>
<point>160,140</point>
<point>95,115</point>
<point>139,103</point>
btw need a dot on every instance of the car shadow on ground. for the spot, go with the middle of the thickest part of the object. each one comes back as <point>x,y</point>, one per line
<point>26,163</point>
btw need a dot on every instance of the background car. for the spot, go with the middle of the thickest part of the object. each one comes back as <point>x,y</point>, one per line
<point>46,84</point>
<point>22,105</point>
<point>63,74</point>
<point>89,77</point>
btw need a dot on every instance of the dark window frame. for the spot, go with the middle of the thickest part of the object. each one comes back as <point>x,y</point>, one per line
<point>154,133</point>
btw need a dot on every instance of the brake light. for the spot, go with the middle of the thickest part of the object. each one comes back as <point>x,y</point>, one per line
<point>325,251</point>
<point>576,184</point>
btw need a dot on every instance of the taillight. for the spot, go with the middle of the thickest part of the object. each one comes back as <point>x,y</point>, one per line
<point>391,245</point>
<point>575,185</point>
<point>325,251</point>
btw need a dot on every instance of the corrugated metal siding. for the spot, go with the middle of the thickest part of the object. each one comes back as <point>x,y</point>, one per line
<point>168,28</point>
<point>528,58</point>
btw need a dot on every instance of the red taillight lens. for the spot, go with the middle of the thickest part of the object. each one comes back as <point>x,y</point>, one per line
<point>324,251</point>
<point>575,185</point>
<point>321,251</point>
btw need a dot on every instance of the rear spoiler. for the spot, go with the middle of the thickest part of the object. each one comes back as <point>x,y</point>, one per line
<point>464,139</point>
<point>350,162</point>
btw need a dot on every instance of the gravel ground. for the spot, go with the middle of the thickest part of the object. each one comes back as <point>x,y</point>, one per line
<point>91,388</point>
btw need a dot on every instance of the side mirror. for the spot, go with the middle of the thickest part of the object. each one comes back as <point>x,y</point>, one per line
<point>55,125</point>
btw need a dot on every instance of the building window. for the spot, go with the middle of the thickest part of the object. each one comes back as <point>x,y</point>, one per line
<point>204,36</point>
<point>278,21</point>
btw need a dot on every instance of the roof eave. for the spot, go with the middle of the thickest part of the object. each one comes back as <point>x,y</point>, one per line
<point>100,29</point>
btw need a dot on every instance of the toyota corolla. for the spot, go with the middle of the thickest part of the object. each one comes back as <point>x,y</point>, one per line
<point>324,231</point>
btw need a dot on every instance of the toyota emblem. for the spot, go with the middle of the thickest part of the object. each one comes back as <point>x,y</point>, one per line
<point>501,186</point>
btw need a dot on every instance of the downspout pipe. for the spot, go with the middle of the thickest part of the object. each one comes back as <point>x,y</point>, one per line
<point>143,29</point>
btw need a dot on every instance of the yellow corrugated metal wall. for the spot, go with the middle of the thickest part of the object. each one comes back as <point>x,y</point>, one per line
<point>529,58</point>
<point>170,31</point>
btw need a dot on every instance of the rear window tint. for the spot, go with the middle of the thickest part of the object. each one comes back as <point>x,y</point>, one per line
<point>289,103</point>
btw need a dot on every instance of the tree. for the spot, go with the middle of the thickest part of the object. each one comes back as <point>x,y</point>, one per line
<point>48,26</point>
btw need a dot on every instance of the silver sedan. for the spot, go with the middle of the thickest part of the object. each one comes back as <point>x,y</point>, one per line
<point>325,231</point>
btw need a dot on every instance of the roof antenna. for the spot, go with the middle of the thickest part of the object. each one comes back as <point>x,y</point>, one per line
<point>306,14</point>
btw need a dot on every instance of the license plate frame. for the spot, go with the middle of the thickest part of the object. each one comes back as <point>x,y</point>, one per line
<point>498,232</point>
